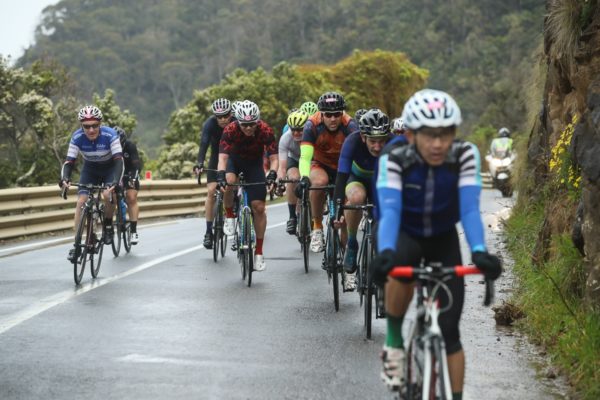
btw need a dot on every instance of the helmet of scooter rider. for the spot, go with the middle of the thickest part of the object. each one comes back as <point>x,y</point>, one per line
<point>504,132</point>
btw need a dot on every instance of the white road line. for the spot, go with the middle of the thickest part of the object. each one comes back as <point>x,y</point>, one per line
<point>47,303</point>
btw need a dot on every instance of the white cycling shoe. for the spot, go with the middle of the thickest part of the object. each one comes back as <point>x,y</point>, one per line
<point>229,226</point>
<point>392,373</point>
<point>259,263</point>
<point>317,241</point>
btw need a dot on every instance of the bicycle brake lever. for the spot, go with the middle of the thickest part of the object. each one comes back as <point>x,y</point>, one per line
<point>489,292</point>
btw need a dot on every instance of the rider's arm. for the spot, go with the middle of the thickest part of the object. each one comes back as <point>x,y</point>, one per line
<point>72,153</point>
<point>270,148</point>
<point>134,159</point>
<point>344,167</point>
<point>306,149</point>
<point>284,146</point>
<point>469,190</point>
<point>389,193</point>
<point>204,142</point>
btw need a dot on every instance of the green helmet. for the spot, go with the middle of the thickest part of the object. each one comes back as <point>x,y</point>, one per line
<point>297,119</point>
<point>309,107</point>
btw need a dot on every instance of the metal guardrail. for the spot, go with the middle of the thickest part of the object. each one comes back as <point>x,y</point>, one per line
<point>32,210</point>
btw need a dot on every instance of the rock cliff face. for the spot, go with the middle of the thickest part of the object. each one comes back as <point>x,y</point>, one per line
<point>572,88</point>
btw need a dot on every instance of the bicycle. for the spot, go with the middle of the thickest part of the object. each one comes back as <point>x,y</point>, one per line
<point>369,293</point>
<point>303,227</point>
<point>122,225</point>
<point>245,235</point>
<point>426,374</point>
<point>334,251</point>
<point>90,233</point>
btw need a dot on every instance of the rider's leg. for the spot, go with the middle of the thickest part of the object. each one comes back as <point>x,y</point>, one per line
<point>133,208</point>
<point>81,199</point>
<point>228,197</point>
<point>356,195</point>
<point>318,177</point>
<point>260,222</point>
<point>209,204</point>
<point>292,173</point>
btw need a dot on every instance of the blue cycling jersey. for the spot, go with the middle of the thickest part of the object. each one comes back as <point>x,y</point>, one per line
<point>102,150</point>
<point>426,201</point>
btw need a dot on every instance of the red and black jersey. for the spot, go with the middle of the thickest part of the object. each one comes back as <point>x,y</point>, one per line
<point>235,143</point>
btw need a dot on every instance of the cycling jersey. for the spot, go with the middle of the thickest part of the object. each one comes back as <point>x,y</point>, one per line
<point>288,147</point>
<point>321,145</point>
<point>102,150</point>
<point>211,136</point>
<point>133,165</point>
<point>426,201</point>
<point>235,143</point>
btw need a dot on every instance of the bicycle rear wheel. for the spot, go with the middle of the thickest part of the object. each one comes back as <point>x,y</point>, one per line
<point>127,237</point>
<point>79,260</point>
<point>96,245</point>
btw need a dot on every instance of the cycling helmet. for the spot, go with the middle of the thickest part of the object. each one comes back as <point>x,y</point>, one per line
<point>221,106</point>
<point>309,107</point>
<point>331,101</point>
<point>431,108</point>
<point>504,132</point>
<point>293,110</point>
<point>359,113</point>
<point>398,125</point>
<point>234,106</point>
<point>297,119</point>
<point>121,133</point>
<point>374,123</point>
<point>247,111</point>
<point>89,112</point>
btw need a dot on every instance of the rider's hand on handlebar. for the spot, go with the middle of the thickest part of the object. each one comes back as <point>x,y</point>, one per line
<point>221,180</point>
<point>381,265</point>
<point>488,263</point>
<point>198,169</point>
<point>271,177</point>
<point>301,186</point>
<point>64,184</point>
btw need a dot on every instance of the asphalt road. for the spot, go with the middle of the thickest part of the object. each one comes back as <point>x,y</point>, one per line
<point>167,322</point>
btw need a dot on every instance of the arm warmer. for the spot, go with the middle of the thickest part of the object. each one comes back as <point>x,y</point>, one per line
<point>306,155</point>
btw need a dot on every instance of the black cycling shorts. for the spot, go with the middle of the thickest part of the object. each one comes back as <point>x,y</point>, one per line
<point>291,163</point>
<point>211,175</point>
<point>136,183</point>
<point>445,249</point>
<point>253,172</point>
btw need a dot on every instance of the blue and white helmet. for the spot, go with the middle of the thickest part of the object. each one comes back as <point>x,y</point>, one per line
<point>431,108</point>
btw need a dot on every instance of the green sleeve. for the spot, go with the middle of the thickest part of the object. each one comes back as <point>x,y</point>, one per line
<point>306,155</point>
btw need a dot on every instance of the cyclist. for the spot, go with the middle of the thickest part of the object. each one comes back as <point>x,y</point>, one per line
<point>131,180</point>
<point>241,149</point>
<point>424,189</point>
<point>354,179</point>
<point>501,146</point>
<point>324,134</point>
<point>359,113</point>
<point>289,156</point>
<point>309,107</point>
<point>211,135</point>
<point>102,163</point>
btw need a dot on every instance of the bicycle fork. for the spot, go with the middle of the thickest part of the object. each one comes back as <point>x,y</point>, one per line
<point>432,313</point>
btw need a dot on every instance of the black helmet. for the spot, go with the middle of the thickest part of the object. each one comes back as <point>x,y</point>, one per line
<point>121,133</point>
<point>359,113</point>
<point>374,123</point>
<point>504,132</point>
<point>331,101</point>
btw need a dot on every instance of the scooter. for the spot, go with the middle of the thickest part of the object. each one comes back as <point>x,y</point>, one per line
<point>500,166</point>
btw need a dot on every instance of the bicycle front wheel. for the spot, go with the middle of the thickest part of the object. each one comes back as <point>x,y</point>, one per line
<point>332,252</point>
<point>127,237</point>
<point>217,229</point>
<point>80,257</point>
<point>96,245</point>
<point>370,290</point>
<point>304,223</point>
<point>437,382</point>
<point>116,242</point>
<point>413,377</point>
<point>248,243</point>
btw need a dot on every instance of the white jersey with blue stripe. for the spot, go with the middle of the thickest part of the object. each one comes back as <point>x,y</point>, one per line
<point>102,150</point>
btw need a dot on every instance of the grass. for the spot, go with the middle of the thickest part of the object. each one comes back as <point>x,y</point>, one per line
<point>550,294</point>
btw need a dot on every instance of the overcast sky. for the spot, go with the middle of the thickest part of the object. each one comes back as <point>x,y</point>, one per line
<point>18,19</point>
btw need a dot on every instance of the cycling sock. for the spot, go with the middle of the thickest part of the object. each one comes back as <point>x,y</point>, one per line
<point>107,222</point>
<point>317,224</point>
<point>133,225</point>
<point>292,210</point>
<point>259,243</point>
<point>352,242</point>
<point>209,225</point>
<point>457,396</point>
<point>229,212</point>
<point>394,332</point>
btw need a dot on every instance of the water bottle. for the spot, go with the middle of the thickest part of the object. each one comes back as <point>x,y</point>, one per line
<point>123,210</point>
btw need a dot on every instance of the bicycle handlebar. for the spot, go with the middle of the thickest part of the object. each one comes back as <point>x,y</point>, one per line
<point>88,186</point>
<point>428,273</point>
<point>363,207</point>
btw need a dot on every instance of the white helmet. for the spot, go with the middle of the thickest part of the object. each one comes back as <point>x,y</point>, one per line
<point>89,112</point>
<point>247,111</point>
<point>397,125</point>
<point>431,108</point>
<point>221,106</point>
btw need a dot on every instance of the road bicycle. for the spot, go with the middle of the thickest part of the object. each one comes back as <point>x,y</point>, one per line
<point>122,225</point>
<point>426,374</point>
<point>370,294</point>
<point>303,227</point>
<point>245,235</point>
<point>90,234</point>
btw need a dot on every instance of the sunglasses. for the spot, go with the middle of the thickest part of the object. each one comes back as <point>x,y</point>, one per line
<point>88,127</point>
<point>225,116</point>
<point>247,124</point>
<point>336,114</point>
<point>297,129</point>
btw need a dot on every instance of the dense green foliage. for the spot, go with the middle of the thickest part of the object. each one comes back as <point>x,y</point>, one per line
<point>155,53</point>
<point>288,86</point>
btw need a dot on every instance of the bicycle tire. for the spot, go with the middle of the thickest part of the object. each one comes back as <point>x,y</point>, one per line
<point>127,237</point>
<point>79,262</point>
<point>440,385</point>
<point>217,228</point>
<point>248,245</point>
<point>332,252</point>
<point>223,241</point>
<point>304,223</point>
<point>368,254</point>
<point>413,382</point>
<point>116,240</point>
<point>97,245</point>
